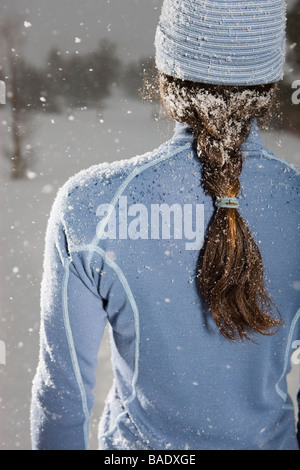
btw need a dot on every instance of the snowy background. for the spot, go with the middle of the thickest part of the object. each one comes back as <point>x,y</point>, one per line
<point>61,145</point>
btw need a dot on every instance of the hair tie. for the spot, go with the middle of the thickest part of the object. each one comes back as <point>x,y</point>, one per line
<point>227,202</point>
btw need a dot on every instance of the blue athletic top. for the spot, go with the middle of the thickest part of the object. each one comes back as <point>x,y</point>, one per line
<point>122,245</point>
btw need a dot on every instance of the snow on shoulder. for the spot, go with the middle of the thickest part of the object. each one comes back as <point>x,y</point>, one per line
<point>77,201</point>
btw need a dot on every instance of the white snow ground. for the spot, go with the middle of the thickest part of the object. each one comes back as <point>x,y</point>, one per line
<point>62,144</point>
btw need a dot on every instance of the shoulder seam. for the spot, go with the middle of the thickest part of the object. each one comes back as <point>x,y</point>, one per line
<point>126,182</point>
<point>271,156</point>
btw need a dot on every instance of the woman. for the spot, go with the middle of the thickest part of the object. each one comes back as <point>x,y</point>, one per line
<point>187,252</point>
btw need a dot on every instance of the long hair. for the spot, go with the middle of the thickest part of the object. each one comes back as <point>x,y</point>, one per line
<point>230,273</point>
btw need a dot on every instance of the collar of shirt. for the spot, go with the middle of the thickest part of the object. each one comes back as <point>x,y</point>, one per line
<point>184,133</point>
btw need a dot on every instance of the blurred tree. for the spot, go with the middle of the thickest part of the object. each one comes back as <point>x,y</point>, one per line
<point>85,79</point>
<point>34,87</point>
<point>136,74</point>
<point>104,70</point>
<point>11,37</point>
<point>54,78</point>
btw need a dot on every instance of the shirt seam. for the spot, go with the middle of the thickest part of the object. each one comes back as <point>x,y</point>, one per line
<point>130,296</point>
<point>122,188</point>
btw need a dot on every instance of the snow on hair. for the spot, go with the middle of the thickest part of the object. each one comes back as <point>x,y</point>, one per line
<point>230,270</point>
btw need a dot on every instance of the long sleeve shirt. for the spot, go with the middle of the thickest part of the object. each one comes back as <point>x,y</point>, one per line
<point>122,246</point>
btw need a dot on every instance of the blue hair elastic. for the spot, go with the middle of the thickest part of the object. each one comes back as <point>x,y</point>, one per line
<point>227,202</point>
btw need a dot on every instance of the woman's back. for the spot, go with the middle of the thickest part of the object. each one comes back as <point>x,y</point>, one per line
<point>178,382</point>
<point>185,252</point>
<point>191,387</point>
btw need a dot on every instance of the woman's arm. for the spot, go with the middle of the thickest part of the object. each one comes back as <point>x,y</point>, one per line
<point>72,324</point>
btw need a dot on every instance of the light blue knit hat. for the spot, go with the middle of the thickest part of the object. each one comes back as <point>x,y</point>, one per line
<point>230,42</point>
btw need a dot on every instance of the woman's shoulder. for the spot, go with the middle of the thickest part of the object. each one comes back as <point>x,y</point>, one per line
<point>109,178</point>
<point>257,151</point>
<point>280,163</point>
<point>101,179</point>
<point>104,173</point>
<point>268,177</point>
<point>260,156</point>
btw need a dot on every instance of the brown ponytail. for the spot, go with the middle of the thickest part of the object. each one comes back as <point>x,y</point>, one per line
<point>230,270</point>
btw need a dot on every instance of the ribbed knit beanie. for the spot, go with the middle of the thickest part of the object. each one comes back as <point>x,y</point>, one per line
<point>230,42</point>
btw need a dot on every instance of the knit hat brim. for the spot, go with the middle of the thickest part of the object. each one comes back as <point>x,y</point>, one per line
<point>226,42</point>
